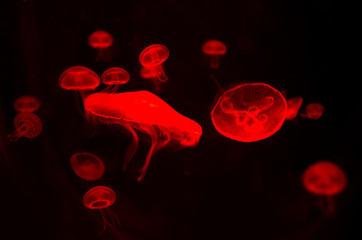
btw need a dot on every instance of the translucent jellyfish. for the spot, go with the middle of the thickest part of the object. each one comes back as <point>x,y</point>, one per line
<point>325,179</point>
<point>294,105</point>
<point>152,57</point>
<point>249,112</point>
<point>101,40</point>
<point>26,103</point>
<point>313,111</point>
<point>145,112</point>
<point>26,125</point>
<point>152,73</point>
<point>214,49</point>
<point>113,77</point>
<point>87,166</point>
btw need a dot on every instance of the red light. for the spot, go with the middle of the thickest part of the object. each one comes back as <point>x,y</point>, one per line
<point>87,166</point>
<point>99,197</point>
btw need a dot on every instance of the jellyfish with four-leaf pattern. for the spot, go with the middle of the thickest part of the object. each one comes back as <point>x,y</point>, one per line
<point>294,105</point>
<point>113,77</point>
<point>26,125</point>
<point>313,111</point>
<point>214,49</point>
<point>87,166</point>
<point>249,112</point>
<point>26,103</point>
<point>102,41</point>
<point>143,112</point>
<point>325,179</point>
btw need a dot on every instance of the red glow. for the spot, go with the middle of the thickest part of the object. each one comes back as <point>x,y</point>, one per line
<point>214,48</point>
<point>156,74</point>
<point>249,112</point>
<point>26,103</point>
<point>147,113</point>
<point>79,78</point>
<point>153,55</point>
<point>324,178</point>
<point>115,75</point>
<point>26,125</point>
<point>99,197</point>
<point>313,111</point>
<point>100,39</point>
<point>294,105</point>
<point>87,166</point>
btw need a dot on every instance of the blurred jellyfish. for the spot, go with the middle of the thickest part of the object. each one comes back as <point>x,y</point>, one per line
<point>26,103</point>
<point>153,74</point>
<point>325,179</point>
<point>101,40</point>
<point>152,57</point>
<point>87,166</point>
<point>26,125</point>
<point>294,105</point>
<point>147,113</point>
<point>313,111</point>
<point>214,49</point>
<point>249,112</point>
<point>113,77</point>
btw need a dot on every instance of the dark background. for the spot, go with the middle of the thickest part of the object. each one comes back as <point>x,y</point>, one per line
<point>220,189</point>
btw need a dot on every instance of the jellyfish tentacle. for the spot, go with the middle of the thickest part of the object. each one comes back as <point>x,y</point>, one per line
<point>111,88</point>
<point>214,62</point>
<point>132,148</point>
<point>161,76</point>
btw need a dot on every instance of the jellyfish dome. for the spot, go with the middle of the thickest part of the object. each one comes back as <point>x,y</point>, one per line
<point>99,197</point>
<point>100,39</point>
<point>87,166</point>
<point>294,105</point>
<point>313,111</point>
<point>26,103</point>
<point>154,55</point>
<point>249,112</point>
<point>26,125</point>
<point>214,47</point>
<point>115,75</point>
<point>79,78</point>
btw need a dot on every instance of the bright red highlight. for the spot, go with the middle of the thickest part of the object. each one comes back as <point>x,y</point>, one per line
<point>100,39</point>
<point>99,197</point>
<point>147,113</point>
<point>87,166</point>
<point>313,111</point>
<point>79,78</point>
<point>153,56</point>
<point>26,103</point>
<point>294,105</point>
<point>249,112</point>
<point>215,49</point>
<point>26,125</point>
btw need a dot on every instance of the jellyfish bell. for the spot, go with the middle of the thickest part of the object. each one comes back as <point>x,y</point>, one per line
<point>294,105</point>
<point>113,77</point>
<point>313,111</point>
<point>215,49</point>
<point>152,57</point>
<point>26,103</point>
<point>145,112</point>
<point>249,112</point>
<point>87,166</point>
<point>102,41</point>
<point>26,125</point>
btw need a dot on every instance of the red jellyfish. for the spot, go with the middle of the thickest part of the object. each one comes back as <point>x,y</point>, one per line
<point>101,40</point>
<point>87,166</point>
<point>113,77</point>
<point>26,103</point>
<point>313,111</point>
<point>152,57</point>
<point>325,179</point>
<point>249,112</point>
<point>153,74</point>
<point>147,113</point>
<point>294,105</point>
<point>214,49</point>
<point>101,198</point>
<point>26,125</point>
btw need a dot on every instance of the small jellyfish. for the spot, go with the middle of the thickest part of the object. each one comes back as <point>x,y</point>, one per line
<point>153,74</point>
<point>313,111</point>
<point>152,57</point>
<point>101,198</point>
<point>26,125</point>
<point>294,105</point>
<point>87,166</point>
<point>249,112</point>
<point>147,113</point>
<point>113,77</point>
<point>325,179</point>
<point>101,40</point>
<point>26,103</point>
<point>214,49</point>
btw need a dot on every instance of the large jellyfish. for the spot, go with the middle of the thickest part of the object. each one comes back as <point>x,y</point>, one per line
<point>113,77</point>
<point>87,166</point>
<point>152,57</point>
<point>249,112</point>
<point>26,125</point>
<point>313,111</point>
<point>294,105</point>
<point>101,40</point>
<point>215,49</point>
<point>147,113</point>
<point>26,103</point>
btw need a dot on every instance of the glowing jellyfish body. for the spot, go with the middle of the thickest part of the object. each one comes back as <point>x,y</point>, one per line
<point>26,125</point>
<point>152,57</point>
<point>114,77</point>
<point>152,73</point>
<point>87,166</point>
<point>326,179</point>
<point>101,40</point>
<point>313,111</point>
<point>26,103</point>
<point>145,112</point>
<point>294,105</point>
<point>249,112</point>
<point>215,49</point>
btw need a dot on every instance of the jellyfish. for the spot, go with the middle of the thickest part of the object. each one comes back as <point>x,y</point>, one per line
<point>87,166</point>
<point>294,105</point>
<point>101,198</point>
<point>215,49</point>
<point>26,125</point>
<point>113,77</point>
<point>26,103</point>
<point>144,112</point>
<point>152,57</point>
<point>313,111</point>
<point>249,112</point>
<point>101,40</point>
<point>325,179</point>
<point>153,74</point>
